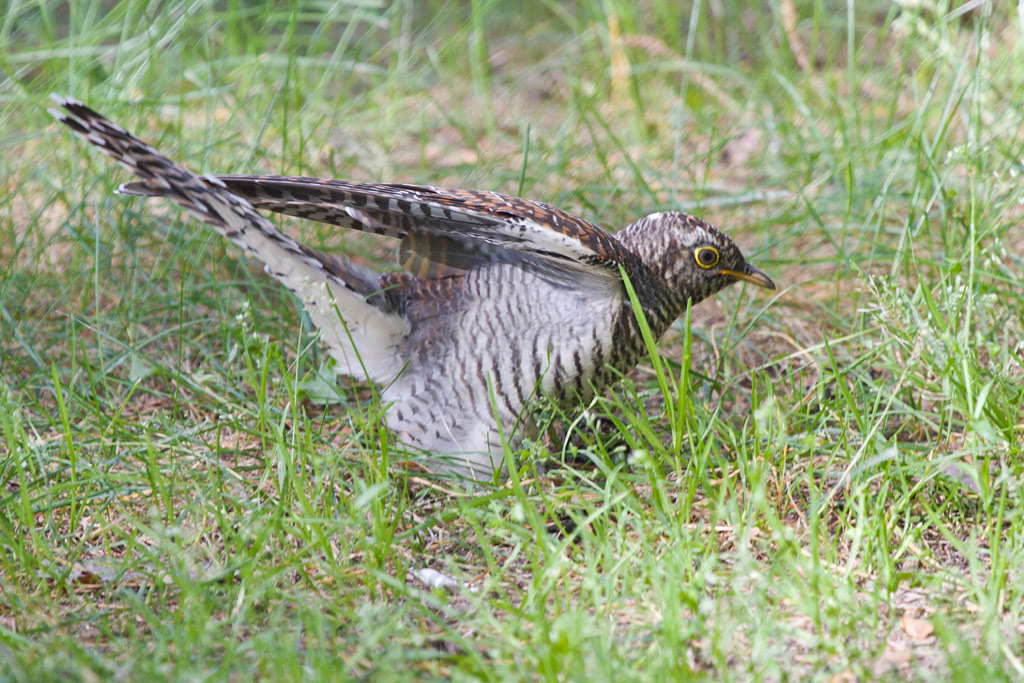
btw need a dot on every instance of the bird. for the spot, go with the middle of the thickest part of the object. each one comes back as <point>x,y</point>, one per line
<point>499,301</point>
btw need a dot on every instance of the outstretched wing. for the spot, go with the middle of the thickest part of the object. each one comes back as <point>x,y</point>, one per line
<point>442,232</point>
<point>362,321</point>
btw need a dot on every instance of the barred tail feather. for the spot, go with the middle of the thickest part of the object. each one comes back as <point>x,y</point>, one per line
<point>362,335</point>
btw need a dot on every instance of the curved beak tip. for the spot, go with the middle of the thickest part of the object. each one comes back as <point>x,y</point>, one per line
<point>752,275</point>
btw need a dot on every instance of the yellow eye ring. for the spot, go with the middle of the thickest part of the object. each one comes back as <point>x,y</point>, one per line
<point>706,257</point>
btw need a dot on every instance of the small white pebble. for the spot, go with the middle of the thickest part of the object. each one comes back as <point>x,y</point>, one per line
<point>435,579</point>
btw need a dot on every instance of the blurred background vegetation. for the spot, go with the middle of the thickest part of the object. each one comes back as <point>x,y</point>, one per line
<point>822,484</point>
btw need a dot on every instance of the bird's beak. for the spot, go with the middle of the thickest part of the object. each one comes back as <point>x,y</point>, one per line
<point>752,275</point>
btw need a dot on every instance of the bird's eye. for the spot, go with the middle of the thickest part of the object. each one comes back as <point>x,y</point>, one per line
<point>706,257</point>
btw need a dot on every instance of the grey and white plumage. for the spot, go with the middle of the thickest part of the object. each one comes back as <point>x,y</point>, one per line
<point>504,299</point>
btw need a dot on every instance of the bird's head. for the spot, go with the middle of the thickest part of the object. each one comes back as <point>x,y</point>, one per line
<point>694,259</point>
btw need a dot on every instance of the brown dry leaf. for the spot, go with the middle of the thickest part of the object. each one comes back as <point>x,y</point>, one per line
<point>918,629</point>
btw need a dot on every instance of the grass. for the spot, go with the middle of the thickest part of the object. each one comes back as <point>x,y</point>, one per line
<point>823,484</point>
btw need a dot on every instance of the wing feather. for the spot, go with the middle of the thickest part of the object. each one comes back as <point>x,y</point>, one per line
<point>453,230</point>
